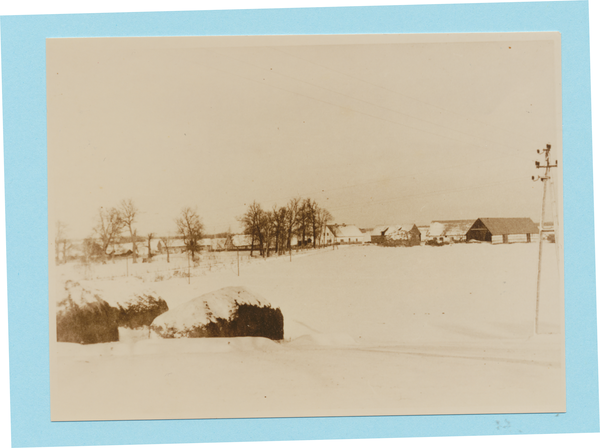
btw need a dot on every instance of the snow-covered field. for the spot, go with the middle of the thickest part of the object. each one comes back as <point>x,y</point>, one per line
<point>368,331</point>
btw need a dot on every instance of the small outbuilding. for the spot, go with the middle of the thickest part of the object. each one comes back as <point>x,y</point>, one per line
<point>378,234</point>
<point>504,230</point>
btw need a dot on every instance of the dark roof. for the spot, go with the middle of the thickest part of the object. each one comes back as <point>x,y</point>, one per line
<point>509,226</point>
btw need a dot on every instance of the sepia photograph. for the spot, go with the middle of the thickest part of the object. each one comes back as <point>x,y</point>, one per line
<point>305,226</point>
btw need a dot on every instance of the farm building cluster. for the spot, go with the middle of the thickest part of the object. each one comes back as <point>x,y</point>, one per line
<point>492,230</point>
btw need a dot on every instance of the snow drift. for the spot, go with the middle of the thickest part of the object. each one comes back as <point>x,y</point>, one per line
<point>229,312</point>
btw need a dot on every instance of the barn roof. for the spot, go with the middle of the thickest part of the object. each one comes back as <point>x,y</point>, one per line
<point>509,226</point>
<point>457,227</point>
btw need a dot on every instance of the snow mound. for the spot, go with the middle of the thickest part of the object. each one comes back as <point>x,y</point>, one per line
<point>228,312</point>
<point>141,310</point>
<point>324,339</point>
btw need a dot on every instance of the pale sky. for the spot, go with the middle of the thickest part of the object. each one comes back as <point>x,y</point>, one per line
<point>377,129</point>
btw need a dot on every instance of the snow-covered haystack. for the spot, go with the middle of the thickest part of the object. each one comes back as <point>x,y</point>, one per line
<point>141,310</point>
<point>228,312</point>
<point>84,317</point>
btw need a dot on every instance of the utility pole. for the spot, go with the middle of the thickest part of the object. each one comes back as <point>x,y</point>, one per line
<point>544,178</point>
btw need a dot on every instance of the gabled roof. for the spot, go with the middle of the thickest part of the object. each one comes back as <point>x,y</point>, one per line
<point>509,226</point>
<point>457,227</point>
<point>379,230</point>
<point>343,231</point>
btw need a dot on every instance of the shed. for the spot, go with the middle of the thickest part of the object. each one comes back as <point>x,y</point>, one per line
<point>378,234</point>
<point>504,230</point>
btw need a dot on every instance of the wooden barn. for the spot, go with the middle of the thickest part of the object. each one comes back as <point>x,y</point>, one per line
<point>504,230</point>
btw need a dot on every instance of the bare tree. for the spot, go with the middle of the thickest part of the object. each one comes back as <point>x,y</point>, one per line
<point>167,240</point>
<point>292,209</point>
<point>191,229</point>
<point>267,226</point>
<point>252,221</point>
<point>229,240</point>
<point>150,236</point>
<point>304,227</point>
<point>108,227</point>
<point>311,210</point>
<point>91,249</point>
<point>278,216</point>
<point>128,214</point>
<point>60,238</point>
<point>322,218</point>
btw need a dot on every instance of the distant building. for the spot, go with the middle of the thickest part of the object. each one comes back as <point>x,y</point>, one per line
<point>378,234</point>
<point>406,234</point>
<point>241,241</point>
<point>327,236</point>
<point>344,234</point>
<point>176,245</point>
<point>450,231</point>
<point>504,230</point>
<point>397,234</point>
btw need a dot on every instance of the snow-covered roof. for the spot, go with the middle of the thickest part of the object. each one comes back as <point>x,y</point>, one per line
<point>379,230</point>
<point>174,242</point>
<point>241,240</point>
<point>344,231</point>
<point>458,227</point>
<point>401,228</point>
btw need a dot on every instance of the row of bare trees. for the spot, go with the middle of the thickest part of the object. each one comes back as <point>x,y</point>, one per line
<point>272,230</point>
<point>112,222</point>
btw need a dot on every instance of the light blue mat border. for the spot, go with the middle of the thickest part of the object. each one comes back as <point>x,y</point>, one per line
<point>23,77</point>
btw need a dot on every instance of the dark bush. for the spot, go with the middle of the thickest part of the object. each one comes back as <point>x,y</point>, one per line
<point>141,311</point>
<point>253,320</point>
<point>434,242</point>
<point>89,323</point>
<point>247,320</point>
<point>389,242</point>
